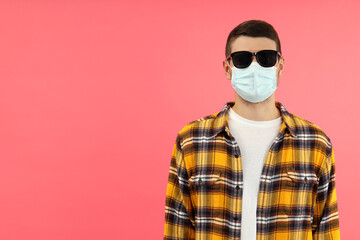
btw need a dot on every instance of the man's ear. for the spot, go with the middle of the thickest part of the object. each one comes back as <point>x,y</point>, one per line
<point>227,69</point>
<point>281,66</point>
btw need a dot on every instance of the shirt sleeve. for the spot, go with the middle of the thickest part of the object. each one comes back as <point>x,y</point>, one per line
<point>179,220</point>
<point>326,219</point>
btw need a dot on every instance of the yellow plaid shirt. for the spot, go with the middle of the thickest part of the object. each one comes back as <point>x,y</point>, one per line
<point>297,194</point>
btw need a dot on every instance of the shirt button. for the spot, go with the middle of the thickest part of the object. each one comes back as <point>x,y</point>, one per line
<point>200,181</point>
<point>236,218</point>
<point>237,187</point>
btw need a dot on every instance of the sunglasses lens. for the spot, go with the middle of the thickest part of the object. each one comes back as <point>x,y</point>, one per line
<point>267,58</point>
<point>241,59</point>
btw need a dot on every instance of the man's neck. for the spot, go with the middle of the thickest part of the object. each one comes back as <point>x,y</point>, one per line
<point>263,111</point>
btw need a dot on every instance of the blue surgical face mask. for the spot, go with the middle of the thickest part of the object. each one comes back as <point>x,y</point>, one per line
<point>254,83</point>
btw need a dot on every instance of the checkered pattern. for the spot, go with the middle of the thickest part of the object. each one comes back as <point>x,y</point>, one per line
<point>297,194</point>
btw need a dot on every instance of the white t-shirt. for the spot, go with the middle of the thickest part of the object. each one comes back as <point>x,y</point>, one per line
<point>254,139</point>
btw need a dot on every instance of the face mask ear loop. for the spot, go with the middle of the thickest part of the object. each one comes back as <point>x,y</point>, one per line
<point>279,58</point>
<point>228,65</point>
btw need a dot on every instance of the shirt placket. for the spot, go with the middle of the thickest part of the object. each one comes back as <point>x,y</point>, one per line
<point>238,179</point>
<point>261,217</point>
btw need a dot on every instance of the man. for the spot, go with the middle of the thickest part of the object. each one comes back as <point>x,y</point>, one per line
<point>252,170</point>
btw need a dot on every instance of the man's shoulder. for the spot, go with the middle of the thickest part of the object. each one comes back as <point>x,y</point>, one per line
<point>307,130</point>
<point>200,127</point>
<point>304,126</point>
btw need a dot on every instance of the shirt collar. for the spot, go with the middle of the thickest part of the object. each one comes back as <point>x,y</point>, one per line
<point>221,120</point>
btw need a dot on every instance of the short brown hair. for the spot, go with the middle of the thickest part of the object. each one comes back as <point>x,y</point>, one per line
<point>253,28</point>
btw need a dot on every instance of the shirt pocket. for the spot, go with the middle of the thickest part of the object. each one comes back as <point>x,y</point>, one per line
<point>298,192</point>
<point>206,190</point>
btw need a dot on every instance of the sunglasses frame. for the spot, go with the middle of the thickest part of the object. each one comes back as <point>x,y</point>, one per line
<point>256,56</point>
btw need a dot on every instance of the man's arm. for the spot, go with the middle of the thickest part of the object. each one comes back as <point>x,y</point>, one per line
<point>326,220</point>
<point>179,223</point>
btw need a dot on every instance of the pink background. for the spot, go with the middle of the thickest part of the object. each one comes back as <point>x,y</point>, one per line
<point>93,93</point>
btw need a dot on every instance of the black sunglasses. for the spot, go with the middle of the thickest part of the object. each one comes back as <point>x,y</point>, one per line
<point>243,59</point>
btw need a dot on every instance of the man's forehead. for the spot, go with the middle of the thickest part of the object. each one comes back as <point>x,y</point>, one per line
<point>252,44</point>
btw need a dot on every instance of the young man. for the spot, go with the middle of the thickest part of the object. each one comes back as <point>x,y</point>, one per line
<point>252,170</point>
